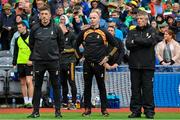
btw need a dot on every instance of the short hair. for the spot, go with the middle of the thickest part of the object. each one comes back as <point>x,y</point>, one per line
<point>45,7</point>
<point>143,13</point>
<point>97,10</point>
<point>21,23</point>
<point>171,33</point>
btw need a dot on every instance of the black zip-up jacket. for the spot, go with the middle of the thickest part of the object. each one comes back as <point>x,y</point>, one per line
<point>94,48</point>
<point>68,54</point>
<point>141,43</point>
<point>46,42</point>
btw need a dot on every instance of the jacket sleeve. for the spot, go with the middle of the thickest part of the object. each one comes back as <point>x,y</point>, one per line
<point>31,41</point>
<point>15,54</point>
<point>121,52</point>
<point>111,40</point>
<point>130,44</point>
<point>158,49</point>
<point>60,39</point>
<point>177,52</point>
<point>79,41</point>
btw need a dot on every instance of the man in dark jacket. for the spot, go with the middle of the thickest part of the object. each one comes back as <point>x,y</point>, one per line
<point>95,41</point>
<point>141,42</point>
<point>46,43</point>
<point>67,65</point>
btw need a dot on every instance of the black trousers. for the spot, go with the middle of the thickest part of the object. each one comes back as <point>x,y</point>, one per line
<point>67,74</point>
<point>89,70</point>
<point>40,68</point>
<point>142,91</point>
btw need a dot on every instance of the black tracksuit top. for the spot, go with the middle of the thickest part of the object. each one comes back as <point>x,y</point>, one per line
<point>46,42</point>
<point>94,48</point>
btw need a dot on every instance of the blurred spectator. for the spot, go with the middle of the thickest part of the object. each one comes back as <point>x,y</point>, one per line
<point>154,24</point>
<point>168,50</point>
<point>59,12</point>
<point>35,15</point>
<point>117,32</point>
<point>115,17</point>
<point>66,6</point>
<point>159,19</point>
<point>84,5</point>
<point>162,29</point>
<point>157,7</point>
<point>102,7</point>
<point>79,19</point>
<point>178,29</point>
<point>116,60</point>
<point>7,25</point>
<point>19,7</point>
<point>172,23</point>
<point>176,9</point>
<point>54,5</point>
<point>112,6</point>
<point>28,10</point>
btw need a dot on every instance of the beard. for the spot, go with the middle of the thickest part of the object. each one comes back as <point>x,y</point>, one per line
<point>45,20</point>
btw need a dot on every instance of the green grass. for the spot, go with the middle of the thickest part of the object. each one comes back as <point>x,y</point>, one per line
<point>94,116</point>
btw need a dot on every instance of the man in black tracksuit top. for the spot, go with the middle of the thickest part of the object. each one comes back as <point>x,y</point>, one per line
<point>46,43</point>
<point>67,65</point>
<point>141,42</point>
<point>96,54</point>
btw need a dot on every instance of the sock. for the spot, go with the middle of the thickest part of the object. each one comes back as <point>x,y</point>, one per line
<point>30,100</point>
<point>25,100</point>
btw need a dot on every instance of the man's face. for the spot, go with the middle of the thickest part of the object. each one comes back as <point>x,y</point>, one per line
<point>176,7</point>
<point>111,30</point>
<point>7,11</point>
<point>94,17</point>
<point>114,15</point>
<point>45,16</point>
<point>21,28</point>
<point>60,11</point>
<point>27,8</point>
<point>142,20</point>
<point>39,3</point>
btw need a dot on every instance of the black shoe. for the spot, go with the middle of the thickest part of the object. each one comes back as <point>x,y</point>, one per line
<point>134,115</point>
<point>87,113</point>
<point>34,115</point>
<point>58,113</point>
<point>105,113</point>
<point>149,116</point>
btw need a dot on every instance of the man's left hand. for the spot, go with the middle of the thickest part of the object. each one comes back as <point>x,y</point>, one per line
<point>29,63</point>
